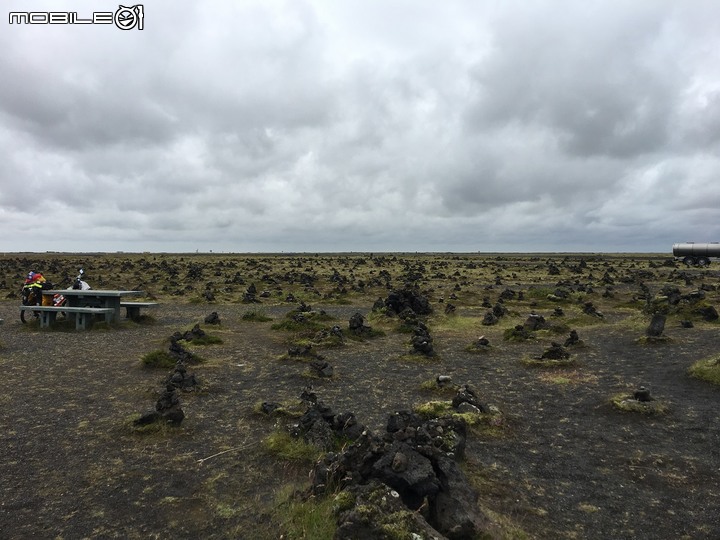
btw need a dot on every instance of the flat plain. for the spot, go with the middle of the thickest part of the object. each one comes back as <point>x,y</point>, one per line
<point>565,459</point>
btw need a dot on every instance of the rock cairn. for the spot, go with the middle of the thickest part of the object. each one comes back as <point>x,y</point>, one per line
<point>414,461</point>
<point>167,409</point>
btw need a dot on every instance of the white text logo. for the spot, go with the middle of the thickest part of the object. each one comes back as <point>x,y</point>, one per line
<point>125,17</point>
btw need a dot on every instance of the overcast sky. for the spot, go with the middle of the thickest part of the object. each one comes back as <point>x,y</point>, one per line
<point>362,125</point>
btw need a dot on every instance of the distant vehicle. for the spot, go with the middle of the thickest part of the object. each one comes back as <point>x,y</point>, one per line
<point>696,254</point>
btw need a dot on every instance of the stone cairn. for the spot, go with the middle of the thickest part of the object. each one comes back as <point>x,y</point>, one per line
<point>250,295</point>
<point>555,352</point>
<point>573,339</point>
<point>167,409</point>
<point>422,342</point>
<point>357,325</point>
<point>181,379</point>
<point>414,461</point>
<point>212,318</point>
<point>408,304</point>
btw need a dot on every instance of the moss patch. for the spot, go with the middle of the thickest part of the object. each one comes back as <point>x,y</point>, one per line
<point>627,403</point>
<point>707,369</point>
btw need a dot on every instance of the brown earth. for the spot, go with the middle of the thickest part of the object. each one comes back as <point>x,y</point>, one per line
<point>564,464</point>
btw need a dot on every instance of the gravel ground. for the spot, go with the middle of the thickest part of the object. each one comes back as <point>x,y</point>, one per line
<point>566,465</point>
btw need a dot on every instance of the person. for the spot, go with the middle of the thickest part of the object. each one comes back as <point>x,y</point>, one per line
<point>32,288</point>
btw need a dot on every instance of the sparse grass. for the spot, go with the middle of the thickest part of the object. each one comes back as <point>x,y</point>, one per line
<point>567,377</point>
<point>207,339</point>
<point>304,519</point>
<point>144,320</point>
<point>488,424</point>
<point>281,444</point>
<point>256,315</point>
<point>707,369</point>
<point>288,410</point>
<point>456,324</point>
<point>531,362</point>
<point>163,359</point>
<point>654,340</point>
<point>432,386</point>
<point>627,403</point>
<point>372,333</point>
<point>159,359</point>
<point>421,358</point>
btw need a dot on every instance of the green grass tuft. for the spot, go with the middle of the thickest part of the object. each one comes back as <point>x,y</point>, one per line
<point>306,518</point>
<point>283,445</point>
<point>207,339</point>
<point>547,363</point>
<point>255,315</point>
<point>707,369</point>
<point>627,403</point>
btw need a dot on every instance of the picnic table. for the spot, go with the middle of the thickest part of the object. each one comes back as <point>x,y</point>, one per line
<point>90,302</point>
<point>102,298</point>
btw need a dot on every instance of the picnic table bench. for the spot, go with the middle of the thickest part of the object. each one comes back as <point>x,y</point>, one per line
<point>133,308</point>
<point>48,314</point>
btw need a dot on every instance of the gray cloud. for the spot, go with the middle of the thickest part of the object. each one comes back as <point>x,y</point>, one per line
<point>315,125</point>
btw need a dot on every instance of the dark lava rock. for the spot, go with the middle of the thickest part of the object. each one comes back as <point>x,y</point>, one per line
<point>708,313</point>
<point>590,309</point>
<point>413,468</point>
<point>657,325</point>
<point>322,368</point>
<point>535,322</point>
<point>573,339</point>
<point>167,409</point>
<point>467,395</point>
<point>399,300</point>
<point>642,394</point>
<point>357,325</point>
<point>213,318</point>
<point>555,352</point>
<point>489,319</point>
<point>181,379</point>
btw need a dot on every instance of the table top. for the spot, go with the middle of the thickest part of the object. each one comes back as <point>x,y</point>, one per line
<point>93,292</point>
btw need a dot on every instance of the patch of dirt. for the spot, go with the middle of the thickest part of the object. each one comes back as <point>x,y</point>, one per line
<point>567,464</point>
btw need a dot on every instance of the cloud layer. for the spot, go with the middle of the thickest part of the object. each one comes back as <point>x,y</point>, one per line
<point>363,126</point>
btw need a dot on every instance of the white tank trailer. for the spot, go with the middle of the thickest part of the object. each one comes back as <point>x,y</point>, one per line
<point>699,254</point>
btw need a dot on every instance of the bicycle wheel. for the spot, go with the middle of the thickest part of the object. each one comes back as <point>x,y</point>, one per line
<point>30,299</point>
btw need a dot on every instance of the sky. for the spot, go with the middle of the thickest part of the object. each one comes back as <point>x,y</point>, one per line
<point>360,126</point>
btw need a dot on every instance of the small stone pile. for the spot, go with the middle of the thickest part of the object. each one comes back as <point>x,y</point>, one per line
<point>535,322</point>
<point>181,379</point>
<point>195,333</point>
<point>357,325</point>
<point>422,342</point>
<point>498,311</point>
<point>322,368</point>
<point>178,352</point>
<point>250,295</point>
<point>480,344</point>
<point>212,318</point>
<point>573,339</point>
<point>167,409</point>
<point>555,352</point>
<point>590,309</point>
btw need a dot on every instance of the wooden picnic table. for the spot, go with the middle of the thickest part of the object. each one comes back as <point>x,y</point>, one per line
<point>103,298</point>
